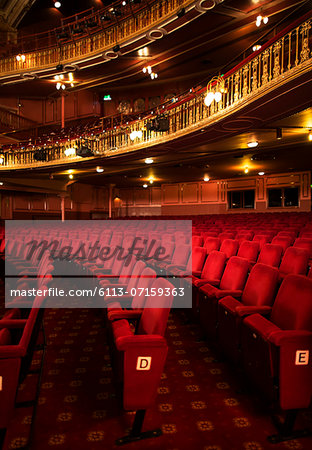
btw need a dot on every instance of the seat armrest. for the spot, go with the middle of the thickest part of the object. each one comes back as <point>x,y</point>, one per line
<point>243,311</point>
<point>232,293</point>
<point>121,299</point>
<point>125,314</point>
<point>260,325</point>
<point>137,341</point>
<point>283,337</point>
<point>229,303</point>
<point>12,323</point>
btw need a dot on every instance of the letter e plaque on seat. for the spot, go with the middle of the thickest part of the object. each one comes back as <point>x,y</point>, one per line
<point>302,358</point>
<point>144,363</point>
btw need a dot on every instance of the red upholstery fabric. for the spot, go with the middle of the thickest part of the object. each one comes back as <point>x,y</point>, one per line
<point>211,244</point>
<point>249,250</point>
<point>229,247</point>
<point>270,254</point>
<point>295,261</point>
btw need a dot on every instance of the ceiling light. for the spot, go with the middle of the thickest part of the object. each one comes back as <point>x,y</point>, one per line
<point>149,69</point>
<point>149,161</point>
<point>279,133</point>
<point>124,3</point>
<point>70,171</point>
<point>206,178</point>
<point>57,4</point>
<point>253,144</point>
<point>265,20</point>
<point>145,186</point>
<point>1,183</point>
<point>58,86</point>
<point>99,169</point>
<point>260,173</point>
<point>151,180</point>
<point>71,176</point>
<point>144,70</point>
<point>310,136</point>
<point>246,170</point>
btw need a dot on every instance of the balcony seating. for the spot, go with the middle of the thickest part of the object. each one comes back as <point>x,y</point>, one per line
<point>258,293</point>
<point>276,351</point>
<point>232,283</point>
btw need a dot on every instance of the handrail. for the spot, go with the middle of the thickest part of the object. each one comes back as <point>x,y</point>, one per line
<point>285,55</point>
<point>78,40</point>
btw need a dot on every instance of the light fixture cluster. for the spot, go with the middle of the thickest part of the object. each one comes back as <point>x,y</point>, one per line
<point>150,72</point>
<point>61,82</point>
<point>215,89</point>
<point>260,19</point>
<point>21,57</point>
<point>136,135</point>
<point>70,151</point>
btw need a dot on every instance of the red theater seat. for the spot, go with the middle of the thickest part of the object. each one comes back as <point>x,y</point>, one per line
<point>249,250</point>
<point>229,247</point>
<point>283,241</point>
<point>262,239</point>
<point>212,243</point>
<point>295,261</point>
<point>232,283</point>
<point>258,294</point>
<point>304,243</point>
<point>276,351</point>
<point>270,255</point>
<point>140,357</point>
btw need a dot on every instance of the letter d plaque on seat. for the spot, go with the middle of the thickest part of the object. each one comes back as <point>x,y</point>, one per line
<point>144,363</point>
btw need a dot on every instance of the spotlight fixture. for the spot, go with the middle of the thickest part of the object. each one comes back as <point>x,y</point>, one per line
<point>149,161</point>
<point>181,13</point>
<point>215,89</point>
<point>206,178</point>
<point>145,185</point>
<point>279,134</point>
<point>116,48</point>
<point>57,4</point>
<point>253,144</point>
<point>99,169</point>
<point>261,173</point>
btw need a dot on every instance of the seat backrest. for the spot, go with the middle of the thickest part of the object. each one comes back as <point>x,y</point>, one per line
<point>283,241</point>
<point>262,239</point>
<point>156,309</point>
<point>229,247</point>
<point>226,235</point>
<point>196,260</point>
<point>304,243</point>
<point>295,261</point>
<point>235,274</point>
<point>214,266</point>
<point>197,241</point>
<point>142,288</point>
<point>248,250</point>
<point>270,255</point>
<point>181,254</point>
<point>261,286</point>
<point>212,243</point>
<point>292,309</point>
<point>134,276</point>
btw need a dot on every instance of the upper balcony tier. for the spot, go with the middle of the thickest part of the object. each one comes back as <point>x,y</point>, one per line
<point>268,84</point>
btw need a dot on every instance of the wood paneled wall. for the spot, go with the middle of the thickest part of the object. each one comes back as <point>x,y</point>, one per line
<point>211,197</point>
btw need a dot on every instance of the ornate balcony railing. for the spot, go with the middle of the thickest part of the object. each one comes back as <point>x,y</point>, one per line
<point>87,36</point>
<point>278,61</point>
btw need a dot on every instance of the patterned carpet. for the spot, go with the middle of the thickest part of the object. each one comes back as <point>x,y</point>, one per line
<point>200,404</point>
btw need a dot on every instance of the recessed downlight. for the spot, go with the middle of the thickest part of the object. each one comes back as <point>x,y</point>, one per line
<point>253,144</point>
